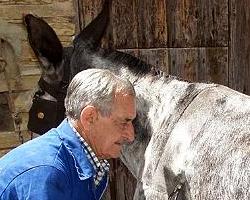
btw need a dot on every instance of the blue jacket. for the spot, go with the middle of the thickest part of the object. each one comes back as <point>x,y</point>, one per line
<point>53,166</point>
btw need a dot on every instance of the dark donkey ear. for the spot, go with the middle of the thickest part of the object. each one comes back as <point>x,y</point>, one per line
<point>43,41</point>
<point>92,34</point>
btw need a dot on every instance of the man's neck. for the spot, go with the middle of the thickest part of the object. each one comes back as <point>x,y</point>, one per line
<point>77,125</point>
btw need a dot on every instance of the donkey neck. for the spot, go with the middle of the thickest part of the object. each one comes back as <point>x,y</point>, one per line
<point>159,97</point>
<point>161,103</point>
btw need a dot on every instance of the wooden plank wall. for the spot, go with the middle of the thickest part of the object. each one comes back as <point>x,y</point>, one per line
<point>197,40</point>
<point>19,70</point>
<point>239,46</point>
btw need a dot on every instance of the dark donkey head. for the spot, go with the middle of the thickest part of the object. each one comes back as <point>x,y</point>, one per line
<point>60,64</point>
<point>48,110</point>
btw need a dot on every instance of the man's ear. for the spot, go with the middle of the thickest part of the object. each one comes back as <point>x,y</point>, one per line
<point>88,116</point>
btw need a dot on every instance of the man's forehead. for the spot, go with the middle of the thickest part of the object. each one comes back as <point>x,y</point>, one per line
<point>126,114</point>
<point>125,110</point>
<point>124,98</point>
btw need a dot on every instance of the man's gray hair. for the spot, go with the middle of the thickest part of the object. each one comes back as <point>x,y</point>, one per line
<point>95,87</point>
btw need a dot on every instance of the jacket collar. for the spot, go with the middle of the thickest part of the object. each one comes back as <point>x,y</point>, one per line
<point>83,166</point>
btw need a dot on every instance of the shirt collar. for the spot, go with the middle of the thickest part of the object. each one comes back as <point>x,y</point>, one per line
<point>100,166</point>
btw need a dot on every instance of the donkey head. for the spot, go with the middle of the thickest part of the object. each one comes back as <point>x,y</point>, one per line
<point>48,110</point>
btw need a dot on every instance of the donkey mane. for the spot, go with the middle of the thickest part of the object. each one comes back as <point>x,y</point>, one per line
<point>137,66</point>
<point>113,60</point>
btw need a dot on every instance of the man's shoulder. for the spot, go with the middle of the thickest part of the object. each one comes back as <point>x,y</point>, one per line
<point>58,149</point>
<point>41,151</point>
<point>38,182</point>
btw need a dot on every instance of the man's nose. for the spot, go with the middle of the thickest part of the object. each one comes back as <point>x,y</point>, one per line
<point>130,133</point>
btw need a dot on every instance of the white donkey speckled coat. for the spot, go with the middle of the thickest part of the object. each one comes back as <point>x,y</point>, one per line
<point>200,137</point>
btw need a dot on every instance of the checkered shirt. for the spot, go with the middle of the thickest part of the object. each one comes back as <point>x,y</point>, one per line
<point>100,166</point>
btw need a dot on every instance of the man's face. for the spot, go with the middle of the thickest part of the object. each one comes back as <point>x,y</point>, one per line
<point>109,133</point>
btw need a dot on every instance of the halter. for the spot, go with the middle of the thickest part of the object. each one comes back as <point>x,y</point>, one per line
<point>46,114</point>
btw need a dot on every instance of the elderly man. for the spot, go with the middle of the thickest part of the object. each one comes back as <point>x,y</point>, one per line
<point>69,162</point>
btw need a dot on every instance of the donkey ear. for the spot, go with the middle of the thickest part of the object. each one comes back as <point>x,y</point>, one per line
<point>43,40</point>
<point>92,34</point>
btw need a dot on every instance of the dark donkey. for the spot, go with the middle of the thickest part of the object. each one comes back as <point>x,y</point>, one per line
<point>192,139</point>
